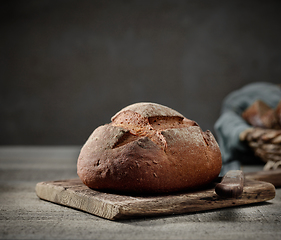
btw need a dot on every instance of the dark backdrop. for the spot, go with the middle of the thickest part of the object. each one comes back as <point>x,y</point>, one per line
<point>68,66</point>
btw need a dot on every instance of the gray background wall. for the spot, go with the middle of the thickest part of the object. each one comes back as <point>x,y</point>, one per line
<point>67,66</point>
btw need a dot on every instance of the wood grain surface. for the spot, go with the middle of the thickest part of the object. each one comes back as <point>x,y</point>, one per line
<point>271,176</point>
<point>73,193</point>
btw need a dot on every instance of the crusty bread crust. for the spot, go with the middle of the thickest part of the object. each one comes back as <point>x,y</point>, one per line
<point>259,114</point>
<point>149,148</point>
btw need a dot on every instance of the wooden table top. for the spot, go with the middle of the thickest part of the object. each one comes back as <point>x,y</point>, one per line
<point>24,216</point>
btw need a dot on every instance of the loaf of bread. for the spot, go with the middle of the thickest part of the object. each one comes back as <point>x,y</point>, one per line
<point>259,114</point>
<point>149,148</point>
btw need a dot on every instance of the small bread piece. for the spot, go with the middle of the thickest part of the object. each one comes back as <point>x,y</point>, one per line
<point>149,148</point>
<point>260,115</point>
<point>278,115</point>
<point>255,114</point>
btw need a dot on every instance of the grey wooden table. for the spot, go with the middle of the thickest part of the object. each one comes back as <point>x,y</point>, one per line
<point>24,216</point>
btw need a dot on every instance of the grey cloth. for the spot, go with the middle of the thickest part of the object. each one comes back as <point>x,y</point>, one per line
<point>230,123</point>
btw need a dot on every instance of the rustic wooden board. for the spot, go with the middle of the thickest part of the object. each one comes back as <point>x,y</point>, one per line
<point>271,176</point>
<point>73,193</point>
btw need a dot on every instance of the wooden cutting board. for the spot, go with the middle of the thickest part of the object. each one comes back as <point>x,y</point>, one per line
<point>73,193</point>
<point>271,176</point>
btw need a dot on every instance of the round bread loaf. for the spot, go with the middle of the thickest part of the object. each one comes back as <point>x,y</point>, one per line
<point>149,148</point>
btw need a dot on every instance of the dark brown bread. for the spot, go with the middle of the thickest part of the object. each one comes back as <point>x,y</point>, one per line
<point>149,148</point>
<point>259,114</point>
<point>278,114</point>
